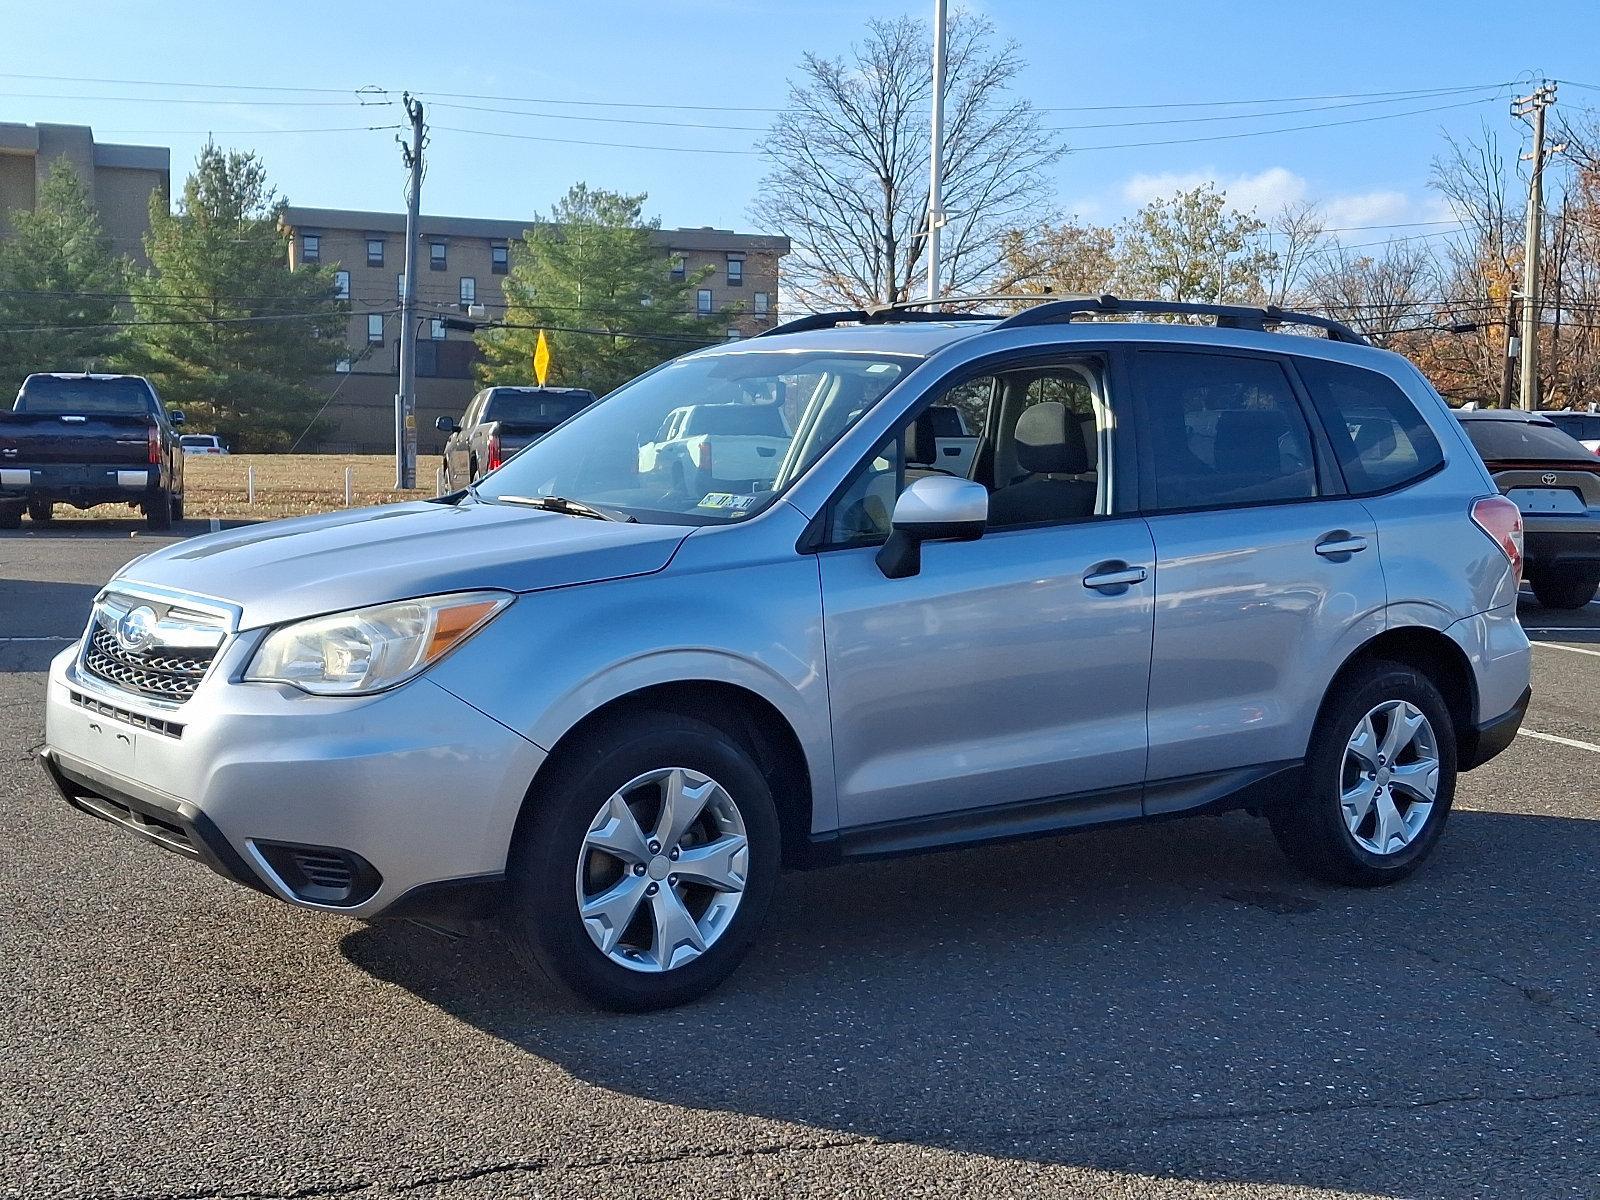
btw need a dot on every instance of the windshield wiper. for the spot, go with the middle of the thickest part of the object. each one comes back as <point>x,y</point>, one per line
<point>572,508</point>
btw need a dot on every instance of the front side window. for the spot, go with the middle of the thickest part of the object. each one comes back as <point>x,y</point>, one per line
<point>702,302</point>
<point>1222,430</point>
<point>375,329</point>
<point>311,247</point>
<point>744,425</point>
<point>1378,436</point>
<point>469,290</point>
<point>374,252</point>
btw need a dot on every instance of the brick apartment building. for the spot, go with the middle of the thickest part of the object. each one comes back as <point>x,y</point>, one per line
<point>120,178</point>
<point>463,261</point>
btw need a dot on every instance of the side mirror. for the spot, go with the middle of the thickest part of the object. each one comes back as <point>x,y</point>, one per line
<point>175,416</point>
<point>939,508</point>
<point>446,425</point>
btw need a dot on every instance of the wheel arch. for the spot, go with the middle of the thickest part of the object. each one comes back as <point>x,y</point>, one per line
<point>1433,654</point>
<point>739,712</point>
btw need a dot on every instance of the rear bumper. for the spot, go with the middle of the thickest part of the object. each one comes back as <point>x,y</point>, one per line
<point>96,483</point>
<point>1489,738</point>
<point>1558,541</point>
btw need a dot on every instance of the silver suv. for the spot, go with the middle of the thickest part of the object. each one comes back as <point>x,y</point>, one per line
<point>1188,568</point>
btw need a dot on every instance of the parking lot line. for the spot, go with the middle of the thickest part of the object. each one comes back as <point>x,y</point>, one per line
<point>1550,737</point>
<point>53,637</point>
<point>1569,649</point>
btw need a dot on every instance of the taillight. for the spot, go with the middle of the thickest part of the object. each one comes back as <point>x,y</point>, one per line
<point>496,455</point>
<point>155,446</point>
<point>702,456</point>
<point>1502,521</point>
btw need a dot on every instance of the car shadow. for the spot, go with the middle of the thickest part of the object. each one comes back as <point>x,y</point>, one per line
<point>1167,1001</point>
<point>38,618</point>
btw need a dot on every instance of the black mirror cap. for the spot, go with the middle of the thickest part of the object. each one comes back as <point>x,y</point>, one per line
<point>446,425</point>
<point>900,557</point>
<point>176,416</point>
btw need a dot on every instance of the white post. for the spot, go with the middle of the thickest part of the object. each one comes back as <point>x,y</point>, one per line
<point>349,474</point>
<point>250,485</point>
<point>936,152</point>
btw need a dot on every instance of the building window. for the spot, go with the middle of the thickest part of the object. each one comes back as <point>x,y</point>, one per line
<point>311,247</point>
<point>436,256</point>
<point>499,259</point>
<point>761,303</point>
<point>341,285</point>
<point>735,272</point>
<point>734,335</point>
<point>469,289</point>
<point>400,286</point>
<point>342,364</point>
<point>375,329</point>
<point>436,329</point>
<point>680,269</point>
<point>374,252</point>
<point>702,302</point>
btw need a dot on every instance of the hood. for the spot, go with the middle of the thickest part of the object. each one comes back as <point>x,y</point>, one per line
<point>284,570</point>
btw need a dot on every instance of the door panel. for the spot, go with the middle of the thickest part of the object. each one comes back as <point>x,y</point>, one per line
<point>993,676</point>
<point>1251,622</point>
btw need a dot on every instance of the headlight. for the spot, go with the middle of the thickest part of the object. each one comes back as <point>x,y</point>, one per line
<point>370,649</point>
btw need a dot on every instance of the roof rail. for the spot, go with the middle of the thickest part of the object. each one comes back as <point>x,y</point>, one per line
<point>877,316</point>
<point>1229,316</point>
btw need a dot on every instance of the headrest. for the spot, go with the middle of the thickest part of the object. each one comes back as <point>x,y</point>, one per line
<point>922,446</point>
<point>1050,441</point>
<point>1249,440</point>
<point>1375,438</point>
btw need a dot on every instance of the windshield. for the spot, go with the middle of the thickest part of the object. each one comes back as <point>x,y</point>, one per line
<point>50,395</point>
<point>649,450</point>
<point>1505,440</point>
<point>535,408</point>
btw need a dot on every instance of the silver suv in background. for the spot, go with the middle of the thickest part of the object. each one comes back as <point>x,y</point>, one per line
<point>1187,568</point>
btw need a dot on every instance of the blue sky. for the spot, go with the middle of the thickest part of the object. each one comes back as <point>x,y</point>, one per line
<point>728,53</point>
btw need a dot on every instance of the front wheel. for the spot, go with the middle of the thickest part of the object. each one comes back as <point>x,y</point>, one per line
<point>1565,587</point>
<point>644,865</point>
<point>1380,778</point>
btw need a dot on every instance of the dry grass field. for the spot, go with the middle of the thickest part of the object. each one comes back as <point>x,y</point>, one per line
<point>286,485</point>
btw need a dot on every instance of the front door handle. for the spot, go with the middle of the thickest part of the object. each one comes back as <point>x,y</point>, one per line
<point>1116,577</point>
<point>1340,543</point>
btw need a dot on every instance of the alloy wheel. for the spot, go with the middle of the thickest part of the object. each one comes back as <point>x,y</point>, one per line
<point>1389,778</point>
<point>662,869</point>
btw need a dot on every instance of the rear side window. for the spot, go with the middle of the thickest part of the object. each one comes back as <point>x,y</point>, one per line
<point>1378,435</point>
<point>1223,431</point>
<point>1502,439</point>
<point>51,395</point>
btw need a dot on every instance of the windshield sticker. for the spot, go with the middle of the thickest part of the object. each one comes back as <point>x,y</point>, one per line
<point>727,500</point>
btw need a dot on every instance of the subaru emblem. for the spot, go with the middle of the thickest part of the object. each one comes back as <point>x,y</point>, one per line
<point>137,628</point>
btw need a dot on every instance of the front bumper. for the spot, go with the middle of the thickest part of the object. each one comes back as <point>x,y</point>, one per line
<point>417,791</point>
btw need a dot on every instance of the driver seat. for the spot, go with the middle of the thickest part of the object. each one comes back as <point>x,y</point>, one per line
<point>1049,443</point>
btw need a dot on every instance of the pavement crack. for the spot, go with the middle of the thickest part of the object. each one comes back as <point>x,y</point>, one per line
<point>1534,994</point>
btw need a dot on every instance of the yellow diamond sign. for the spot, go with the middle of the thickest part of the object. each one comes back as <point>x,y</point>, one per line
<point>541,359</point>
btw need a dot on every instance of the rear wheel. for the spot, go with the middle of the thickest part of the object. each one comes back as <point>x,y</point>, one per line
<point>1380,778</point>
<point>10,516</point>
<point>177,508</point>
<point>1565,587</point>
<point>41,511</point>
<point>642,871</point>
<point>158,510</point>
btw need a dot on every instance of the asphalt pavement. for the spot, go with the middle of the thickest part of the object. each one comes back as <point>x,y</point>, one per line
<point>1166,1011</point>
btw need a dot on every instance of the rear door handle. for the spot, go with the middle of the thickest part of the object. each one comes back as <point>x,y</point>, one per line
<point>1339,543</point>
<point>1118,578</point>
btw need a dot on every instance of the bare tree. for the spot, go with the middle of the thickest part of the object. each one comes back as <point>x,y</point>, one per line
<point>849,177</point>
<point>1300,240</point>
<point>1383,295</point>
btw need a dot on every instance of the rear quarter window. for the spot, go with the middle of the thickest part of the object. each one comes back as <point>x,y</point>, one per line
<point>1379,437</point>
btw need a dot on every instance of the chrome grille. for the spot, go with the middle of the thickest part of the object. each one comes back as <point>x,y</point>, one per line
<point>163,674</point>
<point>157,648</point>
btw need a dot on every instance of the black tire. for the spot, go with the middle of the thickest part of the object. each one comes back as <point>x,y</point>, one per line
<point>1311,827</point>
<point>1565,587</point>
<point>158,510</point>
<point>177,508</point>
<point>10,516</point>
<point>40,512</point>
<point>541,920</point>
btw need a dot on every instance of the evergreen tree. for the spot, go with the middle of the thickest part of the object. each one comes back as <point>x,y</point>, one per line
<point>60,285</point>
<point>226,331</point>
<point>592,265</point>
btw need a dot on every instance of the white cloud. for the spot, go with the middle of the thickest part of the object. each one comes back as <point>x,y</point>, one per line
<point>1366,208</point>
<point>1265,191</point>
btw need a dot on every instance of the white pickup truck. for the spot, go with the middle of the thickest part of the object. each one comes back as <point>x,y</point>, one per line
<point>726,446</point>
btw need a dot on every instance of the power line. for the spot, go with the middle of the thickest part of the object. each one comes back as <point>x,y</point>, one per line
<point>233,87</point>
<point>1288,112</point>
<point>146,322</point>
<point>201,100</point>
<point>250,132</point>
<point>518,112</point>
<point>529,137</point>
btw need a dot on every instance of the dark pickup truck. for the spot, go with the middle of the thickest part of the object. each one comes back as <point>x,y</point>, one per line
<point>498,422</point>
<point>85,440</point>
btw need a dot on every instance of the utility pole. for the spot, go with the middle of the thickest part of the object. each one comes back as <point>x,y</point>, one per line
<point>405,400</point>
<point>1508,366</point>
<point>1533,104</point>
<point>936,152</point>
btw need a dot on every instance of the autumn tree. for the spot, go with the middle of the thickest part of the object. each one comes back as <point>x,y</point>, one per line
<point>1062,258</point>
<point>1192,247</point>
<point>61,287</point>
<point>848,183</point>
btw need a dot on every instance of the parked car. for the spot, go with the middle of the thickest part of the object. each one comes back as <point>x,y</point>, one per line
<point>1556,484</point>
<point>721,449</point>
<point>498,422</point>
<point>85,440</point>
<point>1582,427</point>
<point>1276,577</point>
<point>202,443</point>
